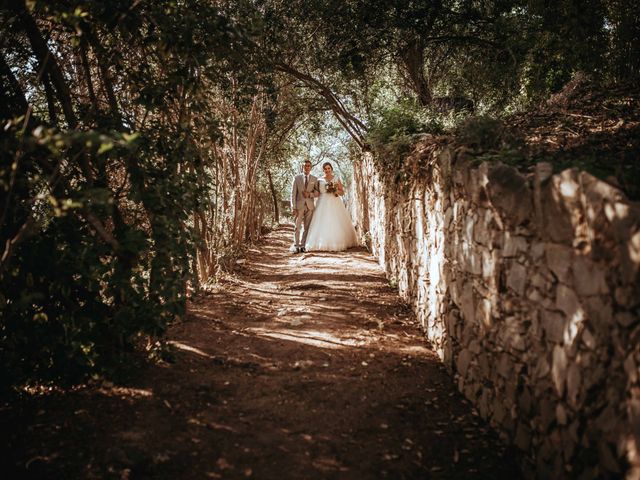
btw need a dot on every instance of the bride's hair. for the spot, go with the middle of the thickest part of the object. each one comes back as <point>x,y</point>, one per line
<point>327,163</point>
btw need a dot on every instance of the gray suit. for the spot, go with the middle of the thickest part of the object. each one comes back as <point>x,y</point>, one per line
<point>304,206</point>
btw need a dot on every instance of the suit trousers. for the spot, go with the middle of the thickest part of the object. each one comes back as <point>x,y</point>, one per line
<point>303,220</point>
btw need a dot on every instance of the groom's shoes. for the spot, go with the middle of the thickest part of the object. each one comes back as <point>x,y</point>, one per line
<point>303,250</point>
<point>298,249</point>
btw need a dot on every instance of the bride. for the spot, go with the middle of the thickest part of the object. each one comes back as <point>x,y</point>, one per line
<point>331,228</point>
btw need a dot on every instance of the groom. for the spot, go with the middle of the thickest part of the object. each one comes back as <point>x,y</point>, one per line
<point>304,190</point>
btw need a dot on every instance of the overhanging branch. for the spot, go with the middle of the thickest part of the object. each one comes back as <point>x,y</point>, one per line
<point>353,125</point>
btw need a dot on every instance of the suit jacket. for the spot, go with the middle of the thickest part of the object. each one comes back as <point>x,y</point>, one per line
<point>298,201</point>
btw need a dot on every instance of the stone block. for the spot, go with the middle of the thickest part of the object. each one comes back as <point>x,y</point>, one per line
<point>484,403</point>
<point>469,223</point>
<point>626,319</point>
<point>537,251</point>
<point>542,367</point>
<point>490,266</point>
<point>525,402</point>
<point>504,366</point>
<point>588,339</point>
<point>631,368</point>
<point>448,216</point>
<point>567,302</point>
<point>559,369</point>
<point>517,278</point>
<point>627,296</point>
<point>599,313</point>
<point>561,414</point>
<point>574,383</point>
<point>553,325</point>
<point>467,304</point>
<point>559,259</point>
<point>512,245</point>
<point>556,218</point>
<point>482,232</point>
<point>522,438</point>
<point>462,362</point>
<point>588,277</point>
<point>483,314</point>
<point>509,192</point>
<point>539,281</point>
<point>546,413</point>
<point>607,458</point>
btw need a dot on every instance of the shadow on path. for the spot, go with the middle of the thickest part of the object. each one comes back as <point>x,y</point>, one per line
<point>300,366</point>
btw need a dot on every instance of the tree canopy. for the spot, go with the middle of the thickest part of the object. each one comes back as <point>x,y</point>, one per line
<point>144,143</point>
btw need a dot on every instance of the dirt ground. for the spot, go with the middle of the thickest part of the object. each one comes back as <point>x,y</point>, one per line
<point>299,366</point>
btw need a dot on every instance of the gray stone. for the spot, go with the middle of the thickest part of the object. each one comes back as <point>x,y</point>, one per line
<point>504,366</point>
<point>482,232</point>
<point>472,260</point>
<point>490,266</point>
<point>543,171</point>
<point>547,414</point>
<point>626,296</point>
<point>607,458</point>
<point>511,334</point>
<point>535,296</point>
<point>467,304</point>
<point>525,402</point>
<point>588,339</point>
<point>559,258</point>
<point>517,278</point>
<point>561,414</point>
<point>556,218</point>
<point>509,192</point>
<point>559,369</point>
<point>513,245</point>
<point>462,362</point>
<point>542,368</point>
<point>483,405</point>
<point>448,216</point>
<point>567,302</point>
<point>574,382</point>
<point>483,314</point>
<point>538,281</point>
<point>469,222</point>
<point>474,347</point>
<point>631,368</point>
<point>626,319</point>
<point>600,314</point>
<point>498,411</point>
<point>588,277</point>
<point>537,251</point>
<point>553,325</point>
<point>522,439</point>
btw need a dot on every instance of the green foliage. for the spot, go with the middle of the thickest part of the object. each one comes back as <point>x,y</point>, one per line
<point>397,129</point>
<point>482,133</point>
<point>99,216</point>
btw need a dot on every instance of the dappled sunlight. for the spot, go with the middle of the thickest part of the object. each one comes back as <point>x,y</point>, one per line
<point>116,391</point>
<point>309,337</point>
<point>189,348</point>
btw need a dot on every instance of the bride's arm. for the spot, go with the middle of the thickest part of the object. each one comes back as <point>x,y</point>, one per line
<point>339,188</point>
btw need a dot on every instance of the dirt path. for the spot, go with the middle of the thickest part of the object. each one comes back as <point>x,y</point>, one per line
<point>299,367</point>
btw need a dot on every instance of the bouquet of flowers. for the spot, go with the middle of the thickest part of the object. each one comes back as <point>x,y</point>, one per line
<point>331,188</point>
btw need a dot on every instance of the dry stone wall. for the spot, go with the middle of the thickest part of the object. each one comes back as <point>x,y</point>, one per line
<point>528,288</point>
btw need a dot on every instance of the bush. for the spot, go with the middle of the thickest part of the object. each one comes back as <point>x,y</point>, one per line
<point>481,133</point>
<point>398,129</point>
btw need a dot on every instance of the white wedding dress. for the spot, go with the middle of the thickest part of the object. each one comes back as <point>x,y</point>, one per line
<point>331,228</point>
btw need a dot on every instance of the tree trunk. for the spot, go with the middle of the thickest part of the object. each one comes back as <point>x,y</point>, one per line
<point>274,196</point>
